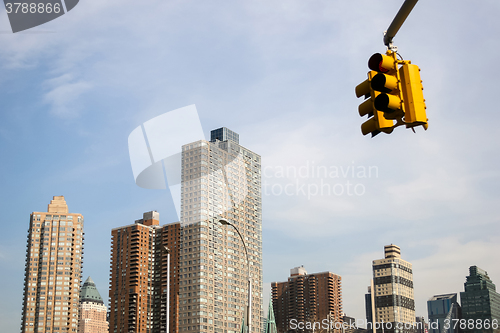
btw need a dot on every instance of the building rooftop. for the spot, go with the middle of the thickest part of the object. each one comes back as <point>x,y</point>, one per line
<point>440,297</point>
<point>57,205</point>
<point>224,134</point>
<point>89,292</point>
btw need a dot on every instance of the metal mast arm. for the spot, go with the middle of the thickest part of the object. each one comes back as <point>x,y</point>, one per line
<point>398,21</point>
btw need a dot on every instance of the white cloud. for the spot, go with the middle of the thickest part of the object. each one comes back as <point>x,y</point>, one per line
<point>65,95</point>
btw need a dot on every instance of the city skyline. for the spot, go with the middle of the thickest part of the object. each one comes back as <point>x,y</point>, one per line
<point>282,75</point>
<point>58,206</point>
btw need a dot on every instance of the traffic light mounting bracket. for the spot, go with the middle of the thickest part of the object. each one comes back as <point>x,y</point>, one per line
<point>397,22</point>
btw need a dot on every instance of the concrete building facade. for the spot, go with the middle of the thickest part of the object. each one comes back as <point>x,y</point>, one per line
<point>307,298</point>
<point>391,293</point>
<point>54,258</point>
<point>220,179</point>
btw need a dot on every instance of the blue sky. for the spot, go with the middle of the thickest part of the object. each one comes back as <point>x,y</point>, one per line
<point>282,75</point>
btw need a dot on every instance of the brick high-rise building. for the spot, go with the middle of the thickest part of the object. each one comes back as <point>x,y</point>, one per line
<point>391,297</point>
<point>92,317</point>
<point>307,298</point>
<point>53,270</point>
<point>138,282</point>
<point>220,179</point>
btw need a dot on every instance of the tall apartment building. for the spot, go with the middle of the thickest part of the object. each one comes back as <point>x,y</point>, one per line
<point>391,296</point>
<point>307,298</point>
<point>139,275</point>
<point>92,317</point>
<point>53,270</point>
<point>441,307</point>
<point>480,300</point>
<point>220,179</point>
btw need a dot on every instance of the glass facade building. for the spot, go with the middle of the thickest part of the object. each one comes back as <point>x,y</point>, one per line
<point>441,307</point>
<point>480,301</point>
<point>224,134</point>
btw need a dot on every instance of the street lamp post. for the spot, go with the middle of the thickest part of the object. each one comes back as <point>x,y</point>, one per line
<point>249,308</point>
<point>167,323</point>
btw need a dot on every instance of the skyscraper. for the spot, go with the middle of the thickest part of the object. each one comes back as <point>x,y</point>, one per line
<point>441,307</point>
<point>92,317</point>
<point>391,294</point>
<point>220,179</point>
<point>307,298</point>
<point>139,276</point>
<point>480,301</point>
<point>53,270</point>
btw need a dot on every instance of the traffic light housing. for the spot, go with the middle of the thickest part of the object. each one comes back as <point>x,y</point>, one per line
<point>376,122</point>
<point>413,96</point>
<point>395,92</point>
<point>388,83</point>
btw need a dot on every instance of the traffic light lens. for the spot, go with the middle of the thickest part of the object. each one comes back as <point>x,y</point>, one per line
<point>375,63</point>
<point>381,102</point>
<point>384,83</point>
<point>387,103</point>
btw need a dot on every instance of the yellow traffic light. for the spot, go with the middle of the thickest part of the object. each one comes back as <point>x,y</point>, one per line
<point>394,93</point>
<point>413,96</point>
<point>377,122</point>
<point>388,83</point>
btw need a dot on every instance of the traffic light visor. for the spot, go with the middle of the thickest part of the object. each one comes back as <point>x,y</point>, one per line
<point>370,126</point>
<point>387,103</point>
<point>363,89</point>
<point>381,63</point>
<point>384,83</point>
<point>366,108</point>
